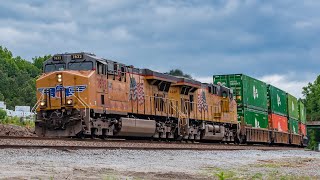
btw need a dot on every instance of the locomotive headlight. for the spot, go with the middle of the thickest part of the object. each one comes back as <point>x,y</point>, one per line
<point>42,103</point>
<point>59,76</point>
<point>69,101</point>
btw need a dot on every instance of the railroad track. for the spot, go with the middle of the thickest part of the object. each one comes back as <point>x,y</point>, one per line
<point>70,144</point>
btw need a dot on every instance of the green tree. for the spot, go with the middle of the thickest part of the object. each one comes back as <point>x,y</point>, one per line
<point>312,100</point>
<point>3,114</point>
<point>38,61</point>
<point>178,72</point>
<point>1,97</point>
<point>18,77</point>
<point>312,141</point>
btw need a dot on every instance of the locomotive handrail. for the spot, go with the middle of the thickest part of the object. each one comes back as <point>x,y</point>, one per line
<point>83,103</point>
<point>35,107</point>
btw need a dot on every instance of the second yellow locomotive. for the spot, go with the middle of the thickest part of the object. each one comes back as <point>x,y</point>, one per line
<point>81,95</point>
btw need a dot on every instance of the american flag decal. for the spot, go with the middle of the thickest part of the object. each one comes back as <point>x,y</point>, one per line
<point>136,91</point>
<point>202,102</point>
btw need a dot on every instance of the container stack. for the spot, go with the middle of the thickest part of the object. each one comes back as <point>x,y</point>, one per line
<point>293,114</point>
<point>278,109</point>
<point>251,97</point>
<point>302,118</point>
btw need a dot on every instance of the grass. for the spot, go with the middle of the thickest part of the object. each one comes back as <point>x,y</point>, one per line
<point>271,171</point>
<point>110,177</point>
<point>257,176</point>
<point>28,123</point>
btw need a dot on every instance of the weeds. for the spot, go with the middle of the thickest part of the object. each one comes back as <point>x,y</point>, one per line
<point>221,176</point>
<point>257,176</point>
<point>28,123</point>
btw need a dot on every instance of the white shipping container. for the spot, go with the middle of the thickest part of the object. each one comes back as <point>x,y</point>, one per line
<point>22,108</point>
<point>16,114</point>
<point>9,112</point>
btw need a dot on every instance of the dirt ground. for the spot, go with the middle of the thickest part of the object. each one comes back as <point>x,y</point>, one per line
<point>13,130</point>
<point>142,164</point>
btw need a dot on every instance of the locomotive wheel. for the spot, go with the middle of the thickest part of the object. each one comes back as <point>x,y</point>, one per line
<point>236,141</point>
<point>81,135</point>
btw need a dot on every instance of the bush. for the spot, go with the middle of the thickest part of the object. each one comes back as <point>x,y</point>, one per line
<point>3,114</point>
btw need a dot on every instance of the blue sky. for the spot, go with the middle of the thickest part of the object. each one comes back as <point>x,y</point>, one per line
<point>276,41</point>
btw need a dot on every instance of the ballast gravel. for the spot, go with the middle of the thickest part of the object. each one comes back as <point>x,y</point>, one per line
<point>156,164</point>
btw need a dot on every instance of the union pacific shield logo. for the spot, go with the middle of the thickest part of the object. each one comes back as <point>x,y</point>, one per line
<point>55,92</point>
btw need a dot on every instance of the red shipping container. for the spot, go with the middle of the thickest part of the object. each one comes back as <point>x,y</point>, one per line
<point>278,122</point>
<point>302,129</point>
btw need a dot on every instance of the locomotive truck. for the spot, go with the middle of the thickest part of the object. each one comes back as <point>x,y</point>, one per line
<point>80,95</point>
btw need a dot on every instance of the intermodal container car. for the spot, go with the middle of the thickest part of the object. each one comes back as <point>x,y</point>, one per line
<point>249,92</point>
<point>254,118</point>
<point>293,107</point>
<point>277,101</point>
<point>293,126</point>
<point>302,129</point>
<point>278,122</point>
<point>302,113</point>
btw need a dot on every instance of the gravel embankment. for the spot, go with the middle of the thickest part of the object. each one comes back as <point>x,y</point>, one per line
<point>13,130</point>
<point>167,164</point>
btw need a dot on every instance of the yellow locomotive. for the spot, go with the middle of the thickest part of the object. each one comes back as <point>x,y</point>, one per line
<point>81,95</point>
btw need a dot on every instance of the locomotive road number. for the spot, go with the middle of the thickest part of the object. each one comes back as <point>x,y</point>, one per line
<point>57,58</point>
<point>76,56</point>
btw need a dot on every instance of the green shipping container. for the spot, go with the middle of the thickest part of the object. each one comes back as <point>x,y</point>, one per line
<point>255,118</point>
<point>277,101</point>
<point>302,113</point>
<point>293,126</point>
<point>293,107</point>
<point>249,92</point>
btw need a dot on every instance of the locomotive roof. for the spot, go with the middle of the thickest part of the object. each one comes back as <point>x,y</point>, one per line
<point>67,57</point>
<point>188,81</point>
<point>155,74</point>
<point>84,56</point>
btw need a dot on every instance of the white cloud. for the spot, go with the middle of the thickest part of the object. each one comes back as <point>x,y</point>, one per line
<point>204,79</point>
<point>15,37</point>
<point>199,37</point>
<point>289,82</point>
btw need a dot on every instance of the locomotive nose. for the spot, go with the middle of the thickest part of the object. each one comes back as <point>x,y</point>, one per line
<point>60,89</point>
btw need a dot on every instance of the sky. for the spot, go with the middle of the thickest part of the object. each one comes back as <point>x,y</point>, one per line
<point>274,41</point>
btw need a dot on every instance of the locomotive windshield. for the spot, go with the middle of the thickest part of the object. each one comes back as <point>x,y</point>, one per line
<point>54,67</point>
<point>82,66</point>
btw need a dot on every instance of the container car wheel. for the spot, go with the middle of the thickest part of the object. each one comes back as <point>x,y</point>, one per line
<point>243,140</point>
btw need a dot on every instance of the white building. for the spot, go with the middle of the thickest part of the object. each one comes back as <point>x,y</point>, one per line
<point>20,111</point>
<point>3,105</point>
<point>22,108</point>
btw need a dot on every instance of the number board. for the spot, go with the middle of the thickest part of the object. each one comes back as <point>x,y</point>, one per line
<point>57,58</point>
<point>76,56</point>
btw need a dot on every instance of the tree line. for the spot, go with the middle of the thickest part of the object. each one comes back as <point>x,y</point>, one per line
<point>17,78</point>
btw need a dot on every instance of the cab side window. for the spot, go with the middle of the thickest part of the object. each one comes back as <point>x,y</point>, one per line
<point>100,68</point>
<point>110,70</point>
